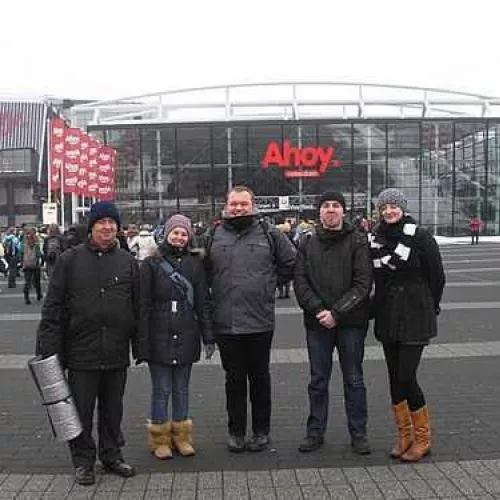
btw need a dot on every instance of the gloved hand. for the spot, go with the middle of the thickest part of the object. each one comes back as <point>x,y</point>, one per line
<point>209,351</point>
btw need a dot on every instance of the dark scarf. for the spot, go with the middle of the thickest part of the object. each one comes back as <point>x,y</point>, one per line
<point>393,245</point>
<point>240,222</point>
<point>329,236</point>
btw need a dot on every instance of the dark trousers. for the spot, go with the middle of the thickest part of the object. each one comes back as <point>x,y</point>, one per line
<point>350,344</point>
<point>402,364</point>
<point>474,237</point>
<point>107,387</point>
<point>32,277</point>
<point>245,359</point>
<point>12,272</point>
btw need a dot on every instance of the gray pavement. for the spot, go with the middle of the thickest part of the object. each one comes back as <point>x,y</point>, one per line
<point>459,375</point>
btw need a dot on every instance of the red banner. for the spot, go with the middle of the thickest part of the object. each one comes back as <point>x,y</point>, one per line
<point>82,184</point>
<point>92,174</point>
<point>72,141</point>
<point>105,169</point>
<point>56,157</point>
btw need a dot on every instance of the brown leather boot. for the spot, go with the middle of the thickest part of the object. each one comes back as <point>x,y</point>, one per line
<point>402,417</point>
<point>422,443</point>
<point>182,437</point>
<point>160,439</point>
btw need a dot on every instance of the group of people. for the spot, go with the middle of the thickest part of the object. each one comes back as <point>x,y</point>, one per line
<point>100,304</point>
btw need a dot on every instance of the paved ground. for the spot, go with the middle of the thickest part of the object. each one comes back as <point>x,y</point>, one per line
<point>460,377</point>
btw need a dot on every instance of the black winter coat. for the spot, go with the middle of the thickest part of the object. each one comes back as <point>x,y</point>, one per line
<point>406,301</point>
<point>171,330</point>
<point>90,315</point>
<point>334,272</point>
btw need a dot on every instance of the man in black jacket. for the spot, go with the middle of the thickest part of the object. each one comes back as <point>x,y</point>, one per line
<point>332,282</point>
<point>90,319</point>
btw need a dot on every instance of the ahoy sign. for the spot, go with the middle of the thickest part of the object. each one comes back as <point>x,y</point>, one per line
<point>300,162</point>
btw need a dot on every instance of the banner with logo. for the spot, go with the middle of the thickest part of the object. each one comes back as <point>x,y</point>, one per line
<point>82,184</point>
<point>56,156</point>
<point>92,173</point>
<point>105,169</point>
<point>72,140</point>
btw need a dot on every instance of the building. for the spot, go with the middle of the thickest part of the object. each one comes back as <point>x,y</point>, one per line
<point>180,151</point>
<point>22,142</point>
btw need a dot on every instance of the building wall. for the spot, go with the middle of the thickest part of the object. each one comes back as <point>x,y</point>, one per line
<point>449,169</point>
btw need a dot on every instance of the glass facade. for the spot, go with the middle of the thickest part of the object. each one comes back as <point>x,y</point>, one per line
<point>448,168</point>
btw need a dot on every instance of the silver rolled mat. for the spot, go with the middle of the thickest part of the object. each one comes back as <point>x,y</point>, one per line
<point>51,383</point>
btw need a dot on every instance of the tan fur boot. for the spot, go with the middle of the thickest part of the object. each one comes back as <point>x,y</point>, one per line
<point>404,424</point>
<point>160,439</point>
<point>182,437</point>
<point>422,444</point>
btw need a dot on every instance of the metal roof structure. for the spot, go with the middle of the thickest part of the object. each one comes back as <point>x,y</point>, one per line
<point>286,101</point>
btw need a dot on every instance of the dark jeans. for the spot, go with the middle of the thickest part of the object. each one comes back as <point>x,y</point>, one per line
<point>474,237</point>
<point>350,344</point>
<point>107,387</point>
<point>245,359</point>
<point>12,272</point>
<point>402,364</point>
<point>169,380</point>
<point>32,277</point>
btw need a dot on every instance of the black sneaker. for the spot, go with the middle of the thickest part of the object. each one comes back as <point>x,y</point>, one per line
<point>236,444</point>
<point>85,475</point>
<point>120,468</point>
<point>258,442</point>
<point>360,446</point>
<point>311,443</point>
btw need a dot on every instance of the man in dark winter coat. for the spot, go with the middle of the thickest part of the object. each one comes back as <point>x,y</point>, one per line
<point>90,319</point>
<point>246,257</point>
<point>333,278</point>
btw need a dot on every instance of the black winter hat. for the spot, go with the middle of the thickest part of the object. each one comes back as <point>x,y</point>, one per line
<point>331,196</point>
<point>101,210</point>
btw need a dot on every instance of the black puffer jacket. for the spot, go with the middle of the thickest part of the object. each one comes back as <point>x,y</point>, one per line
<point>407,297</point>
<point>91,312</point>
<point>334,272</point>
<point>171,332</point>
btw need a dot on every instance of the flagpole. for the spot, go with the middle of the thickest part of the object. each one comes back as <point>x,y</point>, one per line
<point>63,166</point>
<point>49,162</point>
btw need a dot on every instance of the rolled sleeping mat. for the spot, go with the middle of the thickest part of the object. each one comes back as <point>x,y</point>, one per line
<point>56,396</point>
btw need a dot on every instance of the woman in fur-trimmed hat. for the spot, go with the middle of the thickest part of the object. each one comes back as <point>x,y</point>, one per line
<point>409,283</point>
<point>175,319</point>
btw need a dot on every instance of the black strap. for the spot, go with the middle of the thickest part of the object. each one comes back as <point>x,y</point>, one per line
<point>181,283</point>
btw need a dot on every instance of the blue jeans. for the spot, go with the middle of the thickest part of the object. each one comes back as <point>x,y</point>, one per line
<point>169,380</point>
<point>350,344</point>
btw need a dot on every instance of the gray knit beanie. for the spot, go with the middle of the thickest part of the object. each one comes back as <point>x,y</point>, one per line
<point>178,220</point>
<point>392,196</point>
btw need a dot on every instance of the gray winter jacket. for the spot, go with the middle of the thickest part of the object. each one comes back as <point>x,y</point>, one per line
<point>244,271</point>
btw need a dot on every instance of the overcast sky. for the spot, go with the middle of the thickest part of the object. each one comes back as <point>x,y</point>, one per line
<point>108,48</point>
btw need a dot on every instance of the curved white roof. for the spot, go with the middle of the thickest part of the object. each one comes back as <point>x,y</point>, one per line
<point>286,101</point>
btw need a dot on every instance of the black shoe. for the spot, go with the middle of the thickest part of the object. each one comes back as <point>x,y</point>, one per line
<point>236,444</point>
<point>311,443</point>
<point>120,468</point>
<point>360,446</point>
<point>84,475</point>
<point>258,442</point>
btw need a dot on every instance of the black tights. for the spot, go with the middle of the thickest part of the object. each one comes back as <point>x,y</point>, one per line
<point>402,364</point>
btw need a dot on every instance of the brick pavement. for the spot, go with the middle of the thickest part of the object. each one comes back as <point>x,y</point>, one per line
<point>460,376</point>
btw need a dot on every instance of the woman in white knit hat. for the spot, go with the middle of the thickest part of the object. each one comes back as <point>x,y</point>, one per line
<point>409,283</point>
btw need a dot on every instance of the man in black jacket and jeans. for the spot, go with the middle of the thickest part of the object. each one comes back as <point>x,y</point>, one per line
<point>90,319</point>
<point>332,282</point>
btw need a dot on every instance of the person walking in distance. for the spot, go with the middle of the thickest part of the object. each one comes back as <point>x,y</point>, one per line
<point>332,282</point>
<point>90,319</point>
<point>409,283</point>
